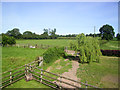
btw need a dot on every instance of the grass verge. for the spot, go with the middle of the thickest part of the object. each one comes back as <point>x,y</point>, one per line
<point>103,74</point>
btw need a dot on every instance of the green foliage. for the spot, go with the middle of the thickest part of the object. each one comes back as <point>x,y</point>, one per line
<point>88,47</point>
<point>107,32</point>
<point>8,40</point>
<point>118,36</point>
<point>53,54</point>
<point>15,33</point>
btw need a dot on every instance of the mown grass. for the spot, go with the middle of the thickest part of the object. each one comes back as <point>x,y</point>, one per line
<point>13,57</point>
<point>104,44</point>
<point>109,45</point>
<point>52,42</point>
<point>103,74</point>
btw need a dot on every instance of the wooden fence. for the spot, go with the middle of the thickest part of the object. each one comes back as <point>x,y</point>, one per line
<point>16,74</point>
<point>39,75</point>
<point>42,46</point>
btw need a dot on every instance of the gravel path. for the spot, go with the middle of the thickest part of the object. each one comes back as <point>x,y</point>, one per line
<point>70,74</point>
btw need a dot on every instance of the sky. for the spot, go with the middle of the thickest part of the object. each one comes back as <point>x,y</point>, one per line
<point>66,17</point>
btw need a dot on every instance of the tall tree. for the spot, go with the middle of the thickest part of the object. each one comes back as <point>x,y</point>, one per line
<point>52,34</point>
<point>107,32</point>
<point>88,47</point>
<point>15,33</point>
<point>27,33</point>
<point>118,36</point>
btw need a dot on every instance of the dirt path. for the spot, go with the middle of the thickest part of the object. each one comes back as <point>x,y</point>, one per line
<point>70,74</point>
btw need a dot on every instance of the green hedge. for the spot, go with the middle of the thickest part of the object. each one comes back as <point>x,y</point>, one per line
<point>53,54</point>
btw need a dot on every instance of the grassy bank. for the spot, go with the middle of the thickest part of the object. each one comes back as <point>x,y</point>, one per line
<point>103,74</point>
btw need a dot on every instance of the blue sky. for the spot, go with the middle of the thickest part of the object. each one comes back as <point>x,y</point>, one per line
<point>66,17</point>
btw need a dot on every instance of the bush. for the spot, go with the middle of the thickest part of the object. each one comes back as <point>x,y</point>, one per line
<point>53,54</point>
<point>111,52</point>
<point>8,40</point>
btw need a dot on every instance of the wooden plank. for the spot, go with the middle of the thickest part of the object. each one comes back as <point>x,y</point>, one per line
<point>13,69</point>
<point>12,82</point>
<point>58,80</point>
<point>12,74</point>
<point>69,79</point>
<point>46,84</point>
<point>13,77</point>
<point>44,79</point>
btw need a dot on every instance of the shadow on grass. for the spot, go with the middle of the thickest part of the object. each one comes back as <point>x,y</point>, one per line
<point>75,58</point>
<point>70,57</point>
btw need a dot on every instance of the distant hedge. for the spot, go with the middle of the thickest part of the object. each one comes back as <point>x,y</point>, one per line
<point>111,52</point>
<point>53,54</point>
<point>66,38</point>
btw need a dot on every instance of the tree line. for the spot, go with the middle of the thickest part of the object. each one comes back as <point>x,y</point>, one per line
<point>106,33</point>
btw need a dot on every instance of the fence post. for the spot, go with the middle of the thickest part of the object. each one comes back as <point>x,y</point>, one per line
<point>25,70</point>
<point>86,84</point>
<point>10,76</point>
<point>30,68</point>
<point>60,81</point>
<point>41,75</point>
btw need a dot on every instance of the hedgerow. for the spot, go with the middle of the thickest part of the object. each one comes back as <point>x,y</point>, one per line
<point>111,52</point>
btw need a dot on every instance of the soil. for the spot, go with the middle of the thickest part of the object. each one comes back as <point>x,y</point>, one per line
<point>57,61</point>
<point>70,74</point>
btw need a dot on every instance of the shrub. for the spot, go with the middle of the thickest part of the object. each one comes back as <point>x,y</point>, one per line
<point>111,52</point>
<point>53,54</point>
<point>8,40</point>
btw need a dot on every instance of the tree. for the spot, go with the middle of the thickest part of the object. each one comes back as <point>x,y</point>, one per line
<point>52,34</point>
<point>27,33</point>
<point>7,40</point>
<point>107,32</point>
<point>15,33</point>
<point>88,47</point>
<point>118,36</point>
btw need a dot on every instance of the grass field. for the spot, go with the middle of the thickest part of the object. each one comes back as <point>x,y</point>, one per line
<point>103,74</point>
<point>13,57</point>
<point>110,45</point>
<point>52,42</point>
<point>95,73</point>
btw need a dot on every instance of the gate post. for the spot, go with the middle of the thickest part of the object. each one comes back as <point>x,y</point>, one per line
<point>86,84</point>
<point>10,76</point>
<point>41,75</point>
<point>60,82</point>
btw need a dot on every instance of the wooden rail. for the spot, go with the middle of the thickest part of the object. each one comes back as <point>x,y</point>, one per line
<point>14,77</point>
<point>64,78</point>
<point>44,80</point>
<point>42,46</point>
<point>28,69</point>
<point>13,82</point>
<point>57,80</point>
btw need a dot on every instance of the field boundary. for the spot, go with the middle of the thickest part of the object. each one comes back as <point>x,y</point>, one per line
<point>28,69</point>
